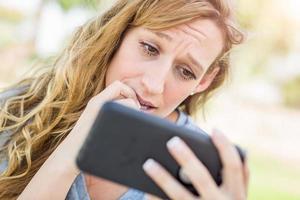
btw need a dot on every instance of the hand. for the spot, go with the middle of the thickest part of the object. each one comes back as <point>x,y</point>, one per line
<point>118,92</point>
<point>235,173</point>
<point>59,171</point>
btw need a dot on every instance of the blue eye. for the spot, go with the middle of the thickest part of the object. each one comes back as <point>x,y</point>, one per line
<point>149,49</point>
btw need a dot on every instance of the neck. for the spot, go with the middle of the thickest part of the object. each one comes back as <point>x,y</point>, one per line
<point>173,116</point>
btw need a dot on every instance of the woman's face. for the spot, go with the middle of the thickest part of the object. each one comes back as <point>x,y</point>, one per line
<point>165,67</point>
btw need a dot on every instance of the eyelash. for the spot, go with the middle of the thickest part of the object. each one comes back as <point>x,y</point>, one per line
<point>145,46</point>
<point>190,76</point>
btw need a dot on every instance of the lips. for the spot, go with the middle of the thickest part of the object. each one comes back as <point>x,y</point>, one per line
<point>145,105</point>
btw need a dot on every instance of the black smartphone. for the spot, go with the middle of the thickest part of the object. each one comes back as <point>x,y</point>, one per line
<point>122,139</point>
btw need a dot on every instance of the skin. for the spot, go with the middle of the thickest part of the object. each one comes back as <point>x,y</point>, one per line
<point>157,65</point>
<point>235,174</point>
<point>157,79</point>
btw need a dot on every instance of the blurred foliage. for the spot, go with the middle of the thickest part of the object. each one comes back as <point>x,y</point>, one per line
<point>270,34</point>
<point>291,92</point>
<point>249,12</point>
<point>6,36</point>
<point>11,16</point>
<point>68,4</point>
<point>270,179</point>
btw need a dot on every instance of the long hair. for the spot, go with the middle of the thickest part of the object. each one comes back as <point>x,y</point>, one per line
<point>53,100</point>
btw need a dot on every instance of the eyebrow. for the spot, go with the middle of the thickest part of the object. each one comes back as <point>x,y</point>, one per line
<point>190,57</point>
<point>164,36</point>
<point>195,62</point>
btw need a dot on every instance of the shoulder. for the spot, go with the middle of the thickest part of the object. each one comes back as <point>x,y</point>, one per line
<point>5,135</point>
<point>78,190</point>
<point>4,95</point>
<point>4,138</point>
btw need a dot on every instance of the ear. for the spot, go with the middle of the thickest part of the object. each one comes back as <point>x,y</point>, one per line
<point>207,80</point>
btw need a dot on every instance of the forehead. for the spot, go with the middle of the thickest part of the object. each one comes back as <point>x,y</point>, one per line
<point>201,38</point>
<point>204,32</point>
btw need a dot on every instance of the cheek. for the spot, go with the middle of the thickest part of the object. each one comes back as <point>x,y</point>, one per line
<point>123,65</point>
<point>176,94</point>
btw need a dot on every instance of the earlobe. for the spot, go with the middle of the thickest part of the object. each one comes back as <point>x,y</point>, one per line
<point>206,81</point>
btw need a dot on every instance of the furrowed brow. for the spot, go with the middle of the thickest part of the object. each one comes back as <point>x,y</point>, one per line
<point>164,36</point>
<point>195,62</point>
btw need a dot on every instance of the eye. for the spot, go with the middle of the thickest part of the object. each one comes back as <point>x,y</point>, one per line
<point>149,49</point>
<point>186,74</point>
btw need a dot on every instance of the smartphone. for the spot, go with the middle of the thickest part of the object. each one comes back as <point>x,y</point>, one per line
<point>122,139</point>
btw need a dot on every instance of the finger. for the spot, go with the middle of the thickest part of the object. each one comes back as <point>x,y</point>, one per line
<point>246,174</point>
<point>152,197</point>
<point>165,181</point>
<point>128,102</point>
<point>117,90</point>
<point>193,168</point>
<point>232,165</point>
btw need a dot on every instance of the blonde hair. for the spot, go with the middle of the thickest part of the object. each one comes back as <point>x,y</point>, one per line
<point>43,115</point>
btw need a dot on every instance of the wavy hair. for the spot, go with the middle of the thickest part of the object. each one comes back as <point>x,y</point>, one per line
<point>53,100</point>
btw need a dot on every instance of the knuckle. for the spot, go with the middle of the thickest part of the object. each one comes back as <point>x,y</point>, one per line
<point>118,83</point>
<point>174,191</point>
<point>247,171</point>
<point>234,165</point>
<point>203,182</point>
<point>132,101</point>
<point>93,104</point>
<point>240,196</point>
<point>227,145</point>
<point>95,101</point>
<point>92,101</point>
<point>180,195</point>
<point>128,102</point>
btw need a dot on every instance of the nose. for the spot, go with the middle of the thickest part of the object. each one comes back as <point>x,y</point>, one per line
<point>154,80</point>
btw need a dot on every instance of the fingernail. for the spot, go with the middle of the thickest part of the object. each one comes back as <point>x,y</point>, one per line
<point>150,165</point>
<point>175,143</point>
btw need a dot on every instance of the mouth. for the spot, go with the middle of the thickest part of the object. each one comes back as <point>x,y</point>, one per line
<point>146,105</point>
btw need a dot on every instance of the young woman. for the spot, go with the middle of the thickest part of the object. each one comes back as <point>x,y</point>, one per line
<point>162,57</point>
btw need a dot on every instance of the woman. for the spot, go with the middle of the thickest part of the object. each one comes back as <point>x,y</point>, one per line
<point>162,57</point>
